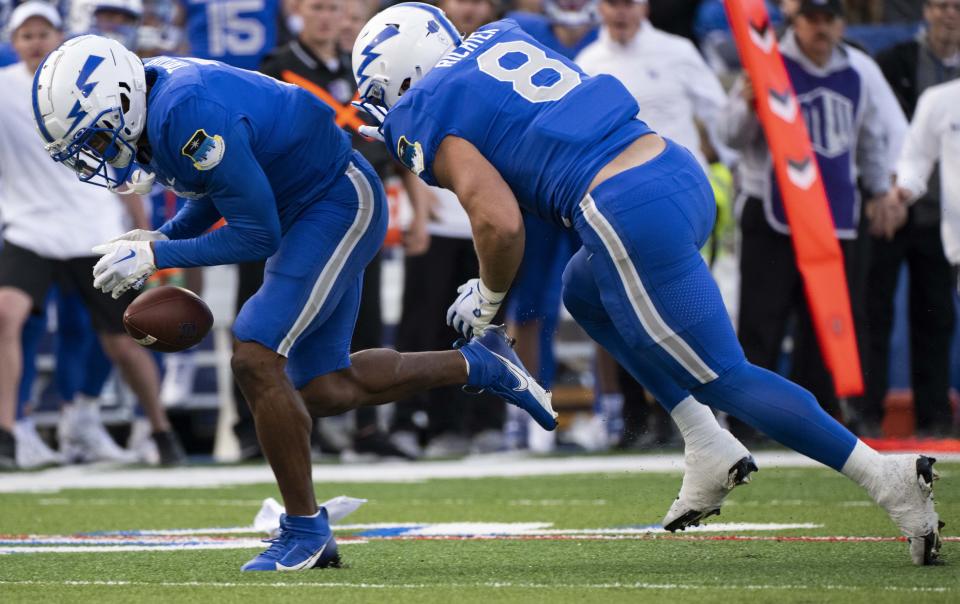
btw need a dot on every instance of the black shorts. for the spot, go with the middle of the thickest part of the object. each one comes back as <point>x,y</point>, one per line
<point>34,274</point>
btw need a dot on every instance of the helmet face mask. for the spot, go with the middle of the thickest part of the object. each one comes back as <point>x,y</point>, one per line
<point>397,48</point>
<point>95,148</point>
<point>89,102</point>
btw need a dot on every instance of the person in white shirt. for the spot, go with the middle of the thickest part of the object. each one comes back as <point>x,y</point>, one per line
<point>934,135</point>
<point>52,221</point>
<point>665,73</point>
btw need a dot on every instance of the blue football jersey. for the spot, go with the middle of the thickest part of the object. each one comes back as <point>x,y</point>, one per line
<point>236,32</point>
<point>545,125</point>
<point>541,30</point>
<point>240,145</point>
<point>8,56</point>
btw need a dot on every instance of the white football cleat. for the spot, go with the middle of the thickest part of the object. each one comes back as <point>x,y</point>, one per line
<point>904,488</point>
<point>712,469</point>
<point>32,451</point>
<point>83,438</point>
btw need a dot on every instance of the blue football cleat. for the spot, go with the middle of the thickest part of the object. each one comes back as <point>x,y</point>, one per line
<point>495,367</point>
<point>304,543</point>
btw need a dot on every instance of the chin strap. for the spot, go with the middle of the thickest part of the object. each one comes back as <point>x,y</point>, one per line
<point>139,183</point>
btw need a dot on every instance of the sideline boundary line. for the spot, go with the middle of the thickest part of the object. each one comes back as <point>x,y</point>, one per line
<point>105,476</point>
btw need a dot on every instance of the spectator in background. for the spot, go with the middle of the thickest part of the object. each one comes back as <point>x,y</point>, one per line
<point>665,73</point>
<point>82,368</point>
<point>355,16</point>
<point>157,34</point>
<point>852,116</point>
<point>566,26</point>
<point>52,221</point>
<point>911,68</point>
<point>118,20</point>
<point>933,138</point>
<point>439,257</point>
<point>317,61</point>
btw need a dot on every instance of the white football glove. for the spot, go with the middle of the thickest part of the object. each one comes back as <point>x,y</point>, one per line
<point>140,235</point>
<point>371,132</point>
<point>474,308</point>
<point>125,264</point>
<point>139,183</point>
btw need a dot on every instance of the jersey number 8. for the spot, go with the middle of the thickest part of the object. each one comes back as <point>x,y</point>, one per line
<point>537,63</point>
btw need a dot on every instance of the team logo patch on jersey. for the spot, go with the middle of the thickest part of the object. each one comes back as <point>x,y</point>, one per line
<point>411,155</point>
<point>206,151</point>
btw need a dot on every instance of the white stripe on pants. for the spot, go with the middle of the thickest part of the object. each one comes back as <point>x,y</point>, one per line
<point>338,260</point>
<point>651,320</point>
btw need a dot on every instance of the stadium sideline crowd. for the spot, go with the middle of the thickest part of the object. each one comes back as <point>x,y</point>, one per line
<point>878,85</point>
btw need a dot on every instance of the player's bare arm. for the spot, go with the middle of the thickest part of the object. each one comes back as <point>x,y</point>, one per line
<point>493,209</point>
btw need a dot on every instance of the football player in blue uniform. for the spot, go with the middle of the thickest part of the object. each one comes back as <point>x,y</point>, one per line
<point>268,158</point>
<point>236,32</point>
<point>509,125</point>
<point>566,27</point>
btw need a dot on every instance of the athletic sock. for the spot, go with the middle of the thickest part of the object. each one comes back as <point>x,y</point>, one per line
<point>863,465</point>
<point>695,421</point>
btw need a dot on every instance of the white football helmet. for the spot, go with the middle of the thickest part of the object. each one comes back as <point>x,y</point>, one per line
<point>90,105</point>
<point>397,48</point>
<point>572,13</point>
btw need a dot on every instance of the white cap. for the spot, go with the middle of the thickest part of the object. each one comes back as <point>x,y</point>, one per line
<point>34,8</point>
<point>134,8</point>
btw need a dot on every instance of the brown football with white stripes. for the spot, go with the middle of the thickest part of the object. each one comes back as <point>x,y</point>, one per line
<point>168,319</point>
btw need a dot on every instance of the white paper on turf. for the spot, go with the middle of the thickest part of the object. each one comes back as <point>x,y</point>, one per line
<point>267,519</point>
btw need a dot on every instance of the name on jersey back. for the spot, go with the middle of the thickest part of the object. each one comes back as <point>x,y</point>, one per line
<point>469,46</point>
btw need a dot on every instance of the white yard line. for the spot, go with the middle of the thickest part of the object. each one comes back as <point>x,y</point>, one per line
<point>144,547</point>
<point>191,537</point>
<point>490,585</point>
<point>112,477</point>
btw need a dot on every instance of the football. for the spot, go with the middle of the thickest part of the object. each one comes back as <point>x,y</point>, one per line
<point>168,319</point>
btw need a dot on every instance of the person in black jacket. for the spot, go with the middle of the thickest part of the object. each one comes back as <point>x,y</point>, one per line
<point>911,68</point>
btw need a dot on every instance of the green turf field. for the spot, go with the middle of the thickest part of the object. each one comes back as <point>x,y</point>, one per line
<point>571,568</point>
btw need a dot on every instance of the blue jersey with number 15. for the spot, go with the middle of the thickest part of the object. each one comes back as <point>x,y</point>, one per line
<point>546,126</point>
<point>236,32</point>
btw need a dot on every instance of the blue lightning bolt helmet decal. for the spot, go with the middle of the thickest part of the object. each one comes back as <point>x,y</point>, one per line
<point>369,56</point>
<point>93,61</point>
